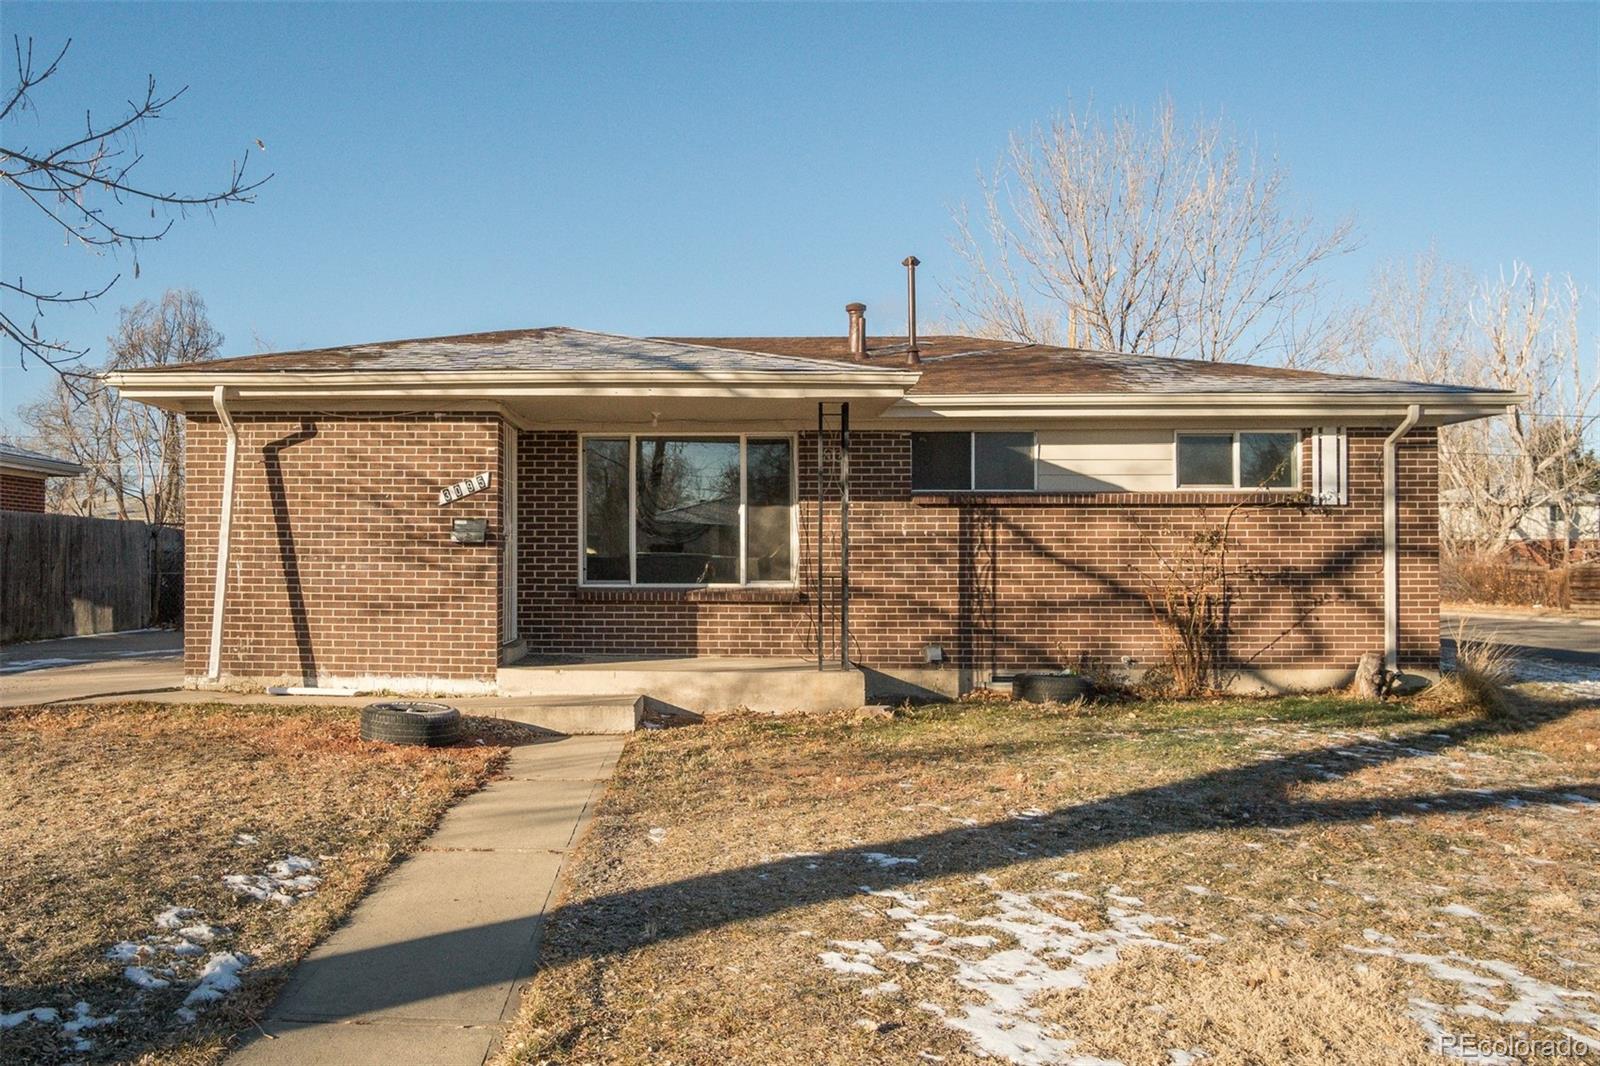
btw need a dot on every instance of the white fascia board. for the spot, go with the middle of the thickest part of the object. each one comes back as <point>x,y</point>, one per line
<point>40,467</point>
<point>191,391</point>
<point>1442,406</point>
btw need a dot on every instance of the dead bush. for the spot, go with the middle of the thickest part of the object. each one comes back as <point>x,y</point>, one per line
<point>1477,683</point>
<point>1500,577</point>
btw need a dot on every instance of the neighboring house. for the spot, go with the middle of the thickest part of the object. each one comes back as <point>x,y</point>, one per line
<point>23,474</point>
<point>1008,507</point>
<point>1548,533</point>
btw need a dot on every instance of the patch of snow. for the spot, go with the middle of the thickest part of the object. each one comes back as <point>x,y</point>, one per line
<point>861,947</point>
<point>173,917</point>
<point>127,951</point>
<point>1498,991</point>
<point>1178,1056</point>
<point>83,1018</point>
<point>202,933</point>
<point>284,882</point>
<point>657,834</point>
<point>138,975</point>
<point>35,1014</point>
<point>1197,890</point>
<point>1459,910</point>
<point>244,840</point>
<point>218,977</point>
<point>884,861</point>
<point>1035,952</point>
<point>857,965</point>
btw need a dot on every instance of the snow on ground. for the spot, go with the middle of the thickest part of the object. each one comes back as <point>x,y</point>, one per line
<point>1017,949</point>
<point>1496,991</point>
<point>284,882</point>
<point>178,953</point>
<point>1049,953</point>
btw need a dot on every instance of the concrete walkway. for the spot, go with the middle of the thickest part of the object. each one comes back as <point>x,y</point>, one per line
<point>427,968</point>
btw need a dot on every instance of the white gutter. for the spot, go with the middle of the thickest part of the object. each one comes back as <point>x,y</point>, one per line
<point>1391,540</point>
<point>224,533</point>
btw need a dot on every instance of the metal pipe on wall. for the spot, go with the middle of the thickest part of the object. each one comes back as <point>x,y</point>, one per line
<point>821,652</point>
<point>844,536</point>
<point>224,533</point>
<point>1391,540</point>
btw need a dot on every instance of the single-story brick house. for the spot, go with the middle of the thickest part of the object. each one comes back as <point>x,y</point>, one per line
<point>23,474</point>
<point>456,514</point>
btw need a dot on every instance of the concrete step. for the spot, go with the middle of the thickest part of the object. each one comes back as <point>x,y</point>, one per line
<point>569,714</point>
<point>700,685</point>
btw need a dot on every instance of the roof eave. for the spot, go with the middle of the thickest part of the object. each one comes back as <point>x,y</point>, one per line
<point>1442,406</point>
<point>44,467</point>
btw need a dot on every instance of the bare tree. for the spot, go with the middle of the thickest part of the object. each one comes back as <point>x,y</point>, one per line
<point>1430,322</point>
<point>1145,238</point>
<point>86,185</point>
<point>133,452</point>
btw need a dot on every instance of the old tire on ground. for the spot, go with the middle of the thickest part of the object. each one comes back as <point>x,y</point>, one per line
<point>408,722</point>
<point>1051,688</point>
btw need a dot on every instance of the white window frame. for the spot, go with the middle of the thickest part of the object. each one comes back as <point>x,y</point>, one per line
<point>1179,434</point>
<point>744,492</point>
<point>972,463</point>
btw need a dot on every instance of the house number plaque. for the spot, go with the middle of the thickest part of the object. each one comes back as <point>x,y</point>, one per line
<point>466,487</point>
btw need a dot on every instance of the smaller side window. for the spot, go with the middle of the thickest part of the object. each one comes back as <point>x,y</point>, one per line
<point>1205,460</point>
<point>1269,460</point>
<point>1254,460</point>
<point>1003,461</point>
<point>941,462</point>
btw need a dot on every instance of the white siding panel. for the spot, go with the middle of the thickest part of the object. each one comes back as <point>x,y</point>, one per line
<point>1105,460</point>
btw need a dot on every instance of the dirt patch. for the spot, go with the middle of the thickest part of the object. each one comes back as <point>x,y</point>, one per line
<point>174,861</point>
<point>1310,879</point>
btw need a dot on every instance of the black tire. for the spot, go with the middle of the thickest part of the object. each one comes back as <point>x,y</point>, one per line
<point>407,722</point>
<point>1051,688</point>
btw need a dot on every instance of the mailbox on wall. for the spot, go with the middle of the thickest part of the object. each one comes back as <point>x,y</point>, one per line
<point>469,530</point>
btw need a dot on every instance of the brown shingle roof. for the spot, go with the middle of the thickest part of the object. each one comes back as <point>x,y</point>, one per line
<point>950,365</point>
<point>954,366</point>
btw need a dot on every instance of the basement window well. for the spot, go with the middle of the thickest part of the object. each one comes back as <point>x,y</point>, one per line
<point>688,511</point>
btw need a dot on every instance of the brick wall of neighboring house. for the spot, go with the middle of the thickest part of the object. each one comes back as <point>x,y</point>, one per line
<point>1007,583</point>
<point>19,492</point>
<point>342,561</point>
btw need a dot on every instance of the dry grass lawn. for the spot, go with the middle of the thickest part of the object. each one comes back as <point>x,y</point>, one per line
<point>1296,880</point>
<point>118,813</point>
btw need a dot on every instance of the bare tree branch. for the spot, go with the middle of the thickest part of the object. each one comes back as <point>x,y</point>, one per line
<point>85,186</point>
<point>1155,239</point>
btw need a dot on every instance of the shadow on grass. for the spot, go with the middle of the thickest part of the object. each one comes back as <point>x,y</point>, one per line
<point>396,976</point>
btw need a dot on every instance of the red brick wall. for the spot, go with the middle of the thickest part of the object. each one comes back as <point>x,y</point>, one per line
<point>18,492</point>
<point>342,561</point>
<point>1007,582</point>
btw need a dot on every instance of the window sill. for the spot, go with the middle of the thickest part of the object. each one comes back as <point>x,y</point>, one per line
<point>667,594</point>
<point>1173,498</point>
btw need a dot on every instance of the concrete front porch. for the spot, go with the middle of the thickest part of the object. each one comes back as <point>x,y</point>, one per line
<point>700,684</point>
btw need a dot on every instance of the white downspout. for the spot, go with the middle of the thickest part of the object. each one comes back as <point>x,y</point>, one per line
<point>1391,541</point>
<point>224,534</point>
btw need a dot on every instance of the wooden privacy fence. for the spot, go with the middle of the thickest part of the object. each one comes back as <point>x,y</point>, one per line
<point>62,576</point>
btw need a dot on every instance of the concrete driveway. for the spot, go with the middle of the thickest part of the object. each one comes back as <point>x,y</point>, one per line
<point>74,668</point>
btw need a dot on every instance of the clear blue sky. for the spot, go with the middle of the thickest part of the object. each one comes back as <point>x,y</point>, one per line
<point>738,169</point>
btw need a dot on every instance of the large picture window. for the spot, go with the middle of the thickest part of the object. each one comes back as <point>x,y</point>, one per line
<point>961,462</point>
<point>1239,460</point>
<point>664,510</point>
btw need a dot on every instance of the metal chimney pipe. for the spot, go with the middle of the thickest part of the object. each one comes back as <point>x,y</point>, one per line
<point>913,356</point>
<point>858,329</point>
